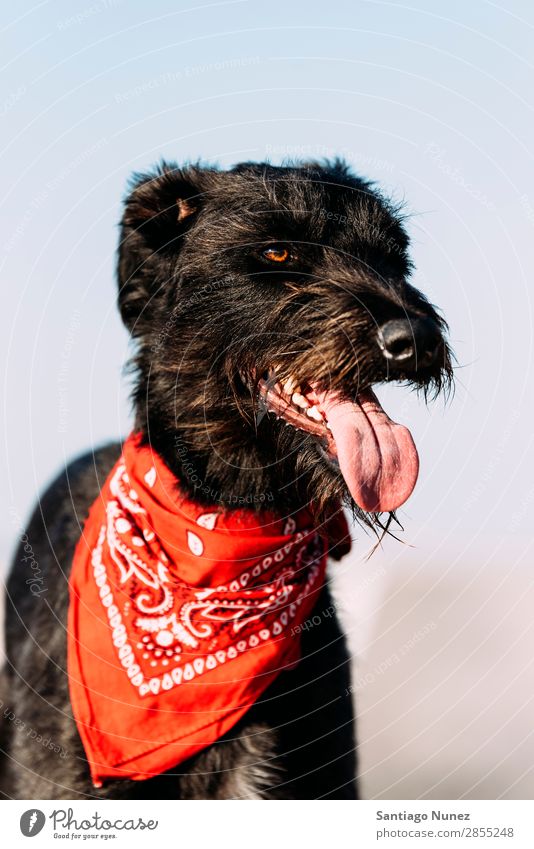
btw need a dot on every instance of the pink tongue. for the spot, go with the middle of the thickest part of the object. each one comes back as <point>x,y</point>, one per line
<point>377,457</point>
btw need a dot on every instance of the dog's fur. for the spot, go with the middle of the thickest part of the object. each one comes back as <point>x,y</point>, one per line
<point>210,316</point>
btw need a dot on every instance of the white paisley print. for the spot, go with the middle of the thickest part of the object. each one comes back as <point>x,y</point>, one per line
<point>166,632</point>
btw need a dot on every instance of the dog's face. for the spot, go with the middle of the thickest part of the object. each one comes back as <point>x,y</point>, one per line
<point>266,302</point>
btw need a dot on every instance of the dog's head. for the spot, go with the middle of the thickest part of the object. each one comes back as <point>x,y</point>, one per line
<point>266,302</point>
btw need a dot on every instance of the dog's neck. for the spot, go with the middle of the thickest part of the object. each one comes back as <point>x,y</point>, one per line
<point>251,476</point>
<point>232,480</point>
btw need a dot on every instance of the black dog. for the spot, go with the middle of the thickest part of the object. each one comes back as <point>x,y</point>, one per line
<point>249,292</point>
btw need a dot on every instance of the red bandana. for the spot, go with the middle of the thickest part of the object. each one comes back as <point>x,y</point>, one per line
<point>179,616</point>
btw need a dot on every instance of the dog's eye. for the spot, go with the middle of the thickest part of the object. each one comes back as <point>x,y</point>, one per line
<point>276,253</point>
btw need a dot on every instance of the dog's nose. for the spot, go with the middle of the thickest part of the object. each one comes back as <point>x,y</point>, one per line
<point>409,343</point>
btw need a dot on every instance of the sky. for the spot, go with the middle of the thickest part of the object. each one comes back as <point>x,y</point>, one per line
<point>433,101</point>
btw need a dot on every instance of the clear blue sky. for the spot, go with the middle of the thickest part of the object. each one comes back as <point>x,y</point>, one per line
<point>433,100</point>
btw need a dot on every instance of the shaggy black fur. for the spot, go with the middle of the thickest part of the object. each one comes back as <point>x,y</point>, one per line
<point>211,314</point>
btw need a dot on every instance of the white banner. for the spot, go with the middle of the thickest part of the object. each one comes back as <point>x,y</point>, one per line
<point>227,825</point>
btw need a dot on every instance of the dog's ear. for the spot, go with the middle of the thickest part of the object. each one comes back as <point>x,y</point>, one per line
<point>159,210</point>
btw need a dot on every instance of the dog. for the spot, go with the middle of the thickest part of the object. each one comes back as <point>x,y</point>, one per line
<point>264,303</point>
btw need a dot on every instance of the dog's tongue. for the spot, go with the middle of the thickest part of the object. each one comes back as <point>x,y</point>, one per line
<point>377,457</point>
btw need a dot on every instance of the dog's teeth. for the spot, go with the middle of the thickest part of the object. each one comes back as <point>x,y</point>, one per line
<point>300,400</point>
<point>314,413</point>
<point>290,385</point>
<point>328,426</point>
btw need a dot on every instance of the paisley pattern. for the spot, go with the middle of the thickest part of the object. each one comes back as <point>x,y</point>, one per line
<point>167,618</point>
<point>180,616</point>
